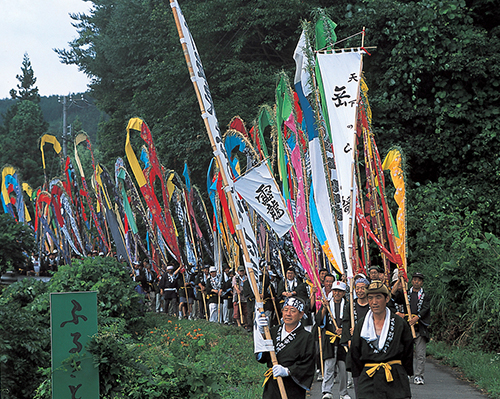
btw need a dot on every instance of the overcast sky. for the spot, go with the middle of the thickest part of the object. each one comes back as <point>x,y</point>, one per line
<point>37,27</point>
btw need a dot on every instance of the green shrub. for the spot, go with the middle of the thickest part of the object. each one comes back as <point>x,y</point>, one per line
<point>24,338</point>
<point>25,315</point>
<point>448,243</point>
<point>176,359</point>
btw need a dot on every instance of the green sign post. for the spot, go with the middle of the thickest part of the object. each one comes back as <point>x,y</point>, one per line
<point>73,321</point>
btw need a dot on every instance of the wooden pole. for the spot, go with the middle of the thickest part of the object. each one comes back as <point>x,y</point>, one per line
<point>222,163</point>
<point>321,353</point>
<point>362,206</point>
<point>195,256</point>
<point>204,303</point>
<point>352,199</point>
<point>407,303</point>
<point>351,304</point>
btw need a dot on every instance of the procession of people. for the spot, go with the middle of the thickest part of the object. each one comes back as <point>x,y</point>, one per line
<point>359,336</point>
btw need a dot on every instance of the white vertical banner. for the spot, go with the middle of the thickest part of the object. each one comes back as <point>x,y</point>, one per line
<point>202,84</point>
<point>325,203</point>
<point>259,189</point>
<point>340,76</point>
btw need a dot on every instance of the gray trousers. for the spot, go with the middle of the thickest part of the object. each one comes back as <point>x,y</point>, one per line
<point>419,356</point>
<point>225,311</point>
<point>329,367</point>
<point>158,301</point>
<point>214,312</point>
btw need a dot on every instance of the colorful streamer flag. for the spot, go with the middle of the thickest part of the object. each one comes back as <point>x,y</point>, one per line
<point>200,80</point>
<point>258,188</point>
<point>324,211</point>
<point>161,217</point>
<point>47,138</point>
<point>12,195</point>
<point>393,163</point>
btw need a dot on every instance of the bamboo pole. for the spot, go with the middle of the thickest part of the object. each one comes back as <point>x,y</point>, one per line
<point>321,353</point>
<point>362,206</point>
<point>196,258</point>
<point>407,303</point>
<point>351,302</point>
<point>232,205</point>
<point>351,201</point>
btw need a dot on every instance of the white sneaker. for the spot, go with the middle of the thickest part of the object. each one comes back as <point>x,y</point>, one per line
<point>345,397</point>
<point>418,381</point>
<point>327,396</point>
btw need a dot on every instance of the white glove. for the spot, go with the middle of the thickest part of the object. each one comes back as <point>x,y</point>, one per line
<point>280,371</point>
<point>261,321</point>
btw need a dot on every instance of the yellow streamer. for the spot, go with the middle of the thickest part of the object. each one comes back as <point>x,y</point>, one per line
<point>47,138</point>
<point>329,255</point>
<point>135,124</point>
<point>392,162</point>
<point>170,185</point>
<point>8,170</point>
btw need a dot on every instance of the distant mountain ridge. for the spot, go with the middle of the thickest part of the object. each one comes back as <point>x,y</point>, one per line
<point>80,110</point>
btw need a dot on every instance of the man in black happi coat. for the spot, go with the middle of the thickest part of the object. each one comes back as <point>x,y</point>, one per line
<point>294,348</point>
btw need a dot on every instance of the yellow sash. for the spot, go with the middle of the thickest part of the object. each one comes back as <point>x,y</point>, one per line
<point>268,374</point>
<point>387,367</point>
<point>333,336</point>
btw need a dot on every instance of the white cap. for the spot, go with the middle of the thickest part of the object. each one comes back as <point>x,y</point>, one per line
<point>212,269</point>
<point>170,268</point>
<point>339,285</point>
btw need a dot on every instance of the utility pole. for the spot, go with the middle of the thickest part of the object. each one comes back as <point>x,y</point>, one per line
<point>67,104</point>
<point>65,128</point>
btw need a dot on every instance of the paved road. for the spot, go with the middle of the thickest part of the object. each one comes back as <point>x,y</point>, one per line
<point>440,383</point>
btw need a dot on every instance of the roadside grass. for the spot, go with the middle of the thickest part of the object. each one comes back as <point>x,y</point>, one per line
<point>168,358</point>
<point>225,352</point>
<point>480,367</point>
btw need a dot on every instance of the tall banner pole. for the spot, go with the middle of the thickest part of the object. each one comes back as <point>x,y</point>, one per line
<point>238,214</point>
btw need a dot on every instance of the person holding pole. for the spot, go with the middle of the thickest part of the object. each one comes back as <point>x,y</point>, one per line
<point>186,296</point>
<point>291,286</point>
<point>227,296</point>
<point>168,289</point>
<point>214,292</point>
<point>201,291</point>
<point>294,348</point>
<point>273,292</point>
<point>420,307</point>
<point>359,310</point>
<point>329,318</point>
<point>381,349</point>
<point>239,300</point>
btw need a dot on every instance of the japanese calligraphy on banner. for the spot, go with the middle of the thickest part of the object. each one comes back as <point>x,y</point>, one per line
<point>340,75</point>
<point>73,321</point>
<point>259,190</point>
<point>201,82</point>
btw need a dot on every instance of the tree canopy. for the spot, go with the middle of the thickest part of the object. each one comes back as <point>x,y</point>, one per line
<point>26,89</point>
<point>23,126</point>
<point>433,80</point>
<point>16,243</point>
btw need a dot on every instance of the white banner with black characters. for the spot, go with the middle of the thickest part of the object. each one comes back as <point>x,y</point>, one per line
<point>340,74</point>
<point>258,188</point>
<point>201,82</point>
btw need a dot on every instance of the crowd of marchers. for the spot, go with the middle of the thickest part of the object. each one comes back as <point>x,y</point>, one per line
<point>375,343</point>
